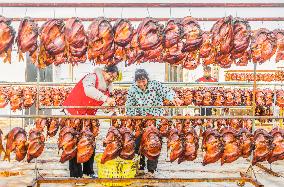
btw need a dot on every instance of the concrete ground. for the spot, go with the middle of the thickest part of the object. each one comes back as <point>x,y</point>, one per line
<point>22,173</point>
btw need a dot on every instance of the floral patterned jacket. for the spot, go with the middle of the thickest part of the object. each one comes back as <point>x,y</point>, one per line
<point>154,95</point>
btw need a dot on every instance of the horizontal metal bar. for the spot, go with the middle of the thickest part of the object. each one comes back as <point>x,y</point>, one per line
<point>140,117</point>
<point>178,84</point>
<point>162,19</point>
<point>147,180</point>
<point>111,107</point>
<point>267,170</point>
<point>146,5</point>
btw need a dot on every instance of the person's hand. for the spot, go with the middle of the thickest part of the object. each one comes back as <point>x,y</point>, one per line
<point>177,102</point>
<point>110,101</point>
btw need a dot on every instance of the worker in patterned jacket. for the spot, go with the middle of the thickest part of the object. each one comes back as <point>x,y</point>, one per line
<point>92,90</point>
<point>146,92</point>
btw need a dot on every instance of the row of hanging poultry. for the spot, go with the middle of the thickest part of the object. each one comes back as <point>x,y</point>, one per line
<point>24,97</point>
<point>266,77</point>
<point>179,41</point>
<point>78,138</point>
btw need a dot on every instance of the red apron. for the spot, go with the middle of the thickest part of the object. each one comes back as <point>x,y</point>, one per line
<point>77,97</point>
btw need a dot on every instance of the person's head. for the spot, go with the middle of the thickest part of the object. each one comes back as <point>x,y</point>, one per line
<point>110,73</point>
<point>141,78</point>
<point>207,71</point>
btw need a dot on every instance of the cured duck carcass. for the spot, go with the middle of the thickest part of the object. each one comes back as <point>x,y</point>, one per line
<point>277,152</point>
<point>207,98</point>
<point>279,33</point>
<point>219,98</point>
<point>191,61</point>
<point>206,50</point>
<point>7,36</point>
<point>67,141</point>
<point>112,144</point>
<point>263,46</point>
<point>29,96</point>
<point>231,145</point>
<point>149,39</point>
<point>280,98</point>
<point>262,146</point>
<point>138,128</point>
<point>128,144</point>
<point>134,53</point>
<point>16,101</point>
<point>1,144</point>
<point>164,127</point>
<point>241,41</point>
<point>95,127</point>
<point>40,123</point>
<point>212,145</point>
<point>222,35</point>
<point>86,145</point>
<point>174,144</point>
<point>100,41</point>
<point>172,43</point>
<point>76,41</point>
<point>246,142</point>
<point>187,97</point>
<point>123,33</point>
<point>36,144</point>
<point>190,144</point>
<point>27,39</point>
<point>52,127</point>
<point>4,97</point>
<point>151,143</point>
<point>222,40</point>
<point>127,123</point>
<point>17,143</point>
<point>52,43</point>
<point>192,34</point>
<point>198,97</point>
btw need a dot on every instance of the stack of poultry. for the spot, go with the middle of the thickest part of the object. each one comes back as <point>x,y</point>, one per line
<point>17,143</point>
<point>25,97</point>
<point>77,138</point>
<point>266,77</point>
<point>7,36</point>
<point>36,144</point>
<point>119,141</point>
<point>27,39</point>
<point>180,41</point>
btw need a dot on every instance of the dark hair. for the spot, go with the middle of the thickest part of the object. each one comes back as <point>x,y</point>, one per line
<point>141,74</point>
<point>111,69</point>
<point>207,68</point>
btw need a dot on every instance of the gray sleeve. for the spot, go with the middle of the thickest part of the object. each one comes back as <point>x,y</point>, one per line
<point>89,83</point>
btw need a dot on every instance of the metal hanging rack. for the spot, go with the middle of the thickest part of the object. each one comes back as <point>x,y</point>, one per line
<point>153,5</point>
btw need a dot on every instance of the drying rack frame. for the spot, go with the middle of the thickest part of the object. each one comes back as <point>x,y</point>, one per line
<point>244,176</point>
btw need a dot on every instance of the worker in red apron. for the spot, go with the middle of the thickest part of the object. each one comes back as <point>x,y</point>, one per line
<point>92,90</point>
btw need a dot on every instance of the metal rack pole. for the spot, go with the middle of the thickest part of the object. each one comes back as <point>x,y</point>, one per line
<point>177,84</point>
<point>142,117</point>
<point>146,5</point>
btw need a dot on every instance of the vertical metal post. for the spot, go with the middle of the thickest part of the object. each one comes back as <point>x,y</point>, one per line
<point>37,112</point>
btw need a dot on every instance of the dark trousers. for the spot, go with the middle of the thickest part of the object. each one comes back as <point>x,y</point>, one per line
<point>206,112</point>
<point>151,164</point>
<point>76,168</point>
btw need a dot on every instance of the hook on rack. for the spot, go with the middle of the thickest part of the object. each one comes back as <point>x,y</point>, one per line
<point>26,12</point>
<point>148,12</point>
<point>189,10</point>
<point>170,12</point>
<point>75,12</point>
<point>103,11</point>
<point>121,12</point>
<point>54,13</point>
